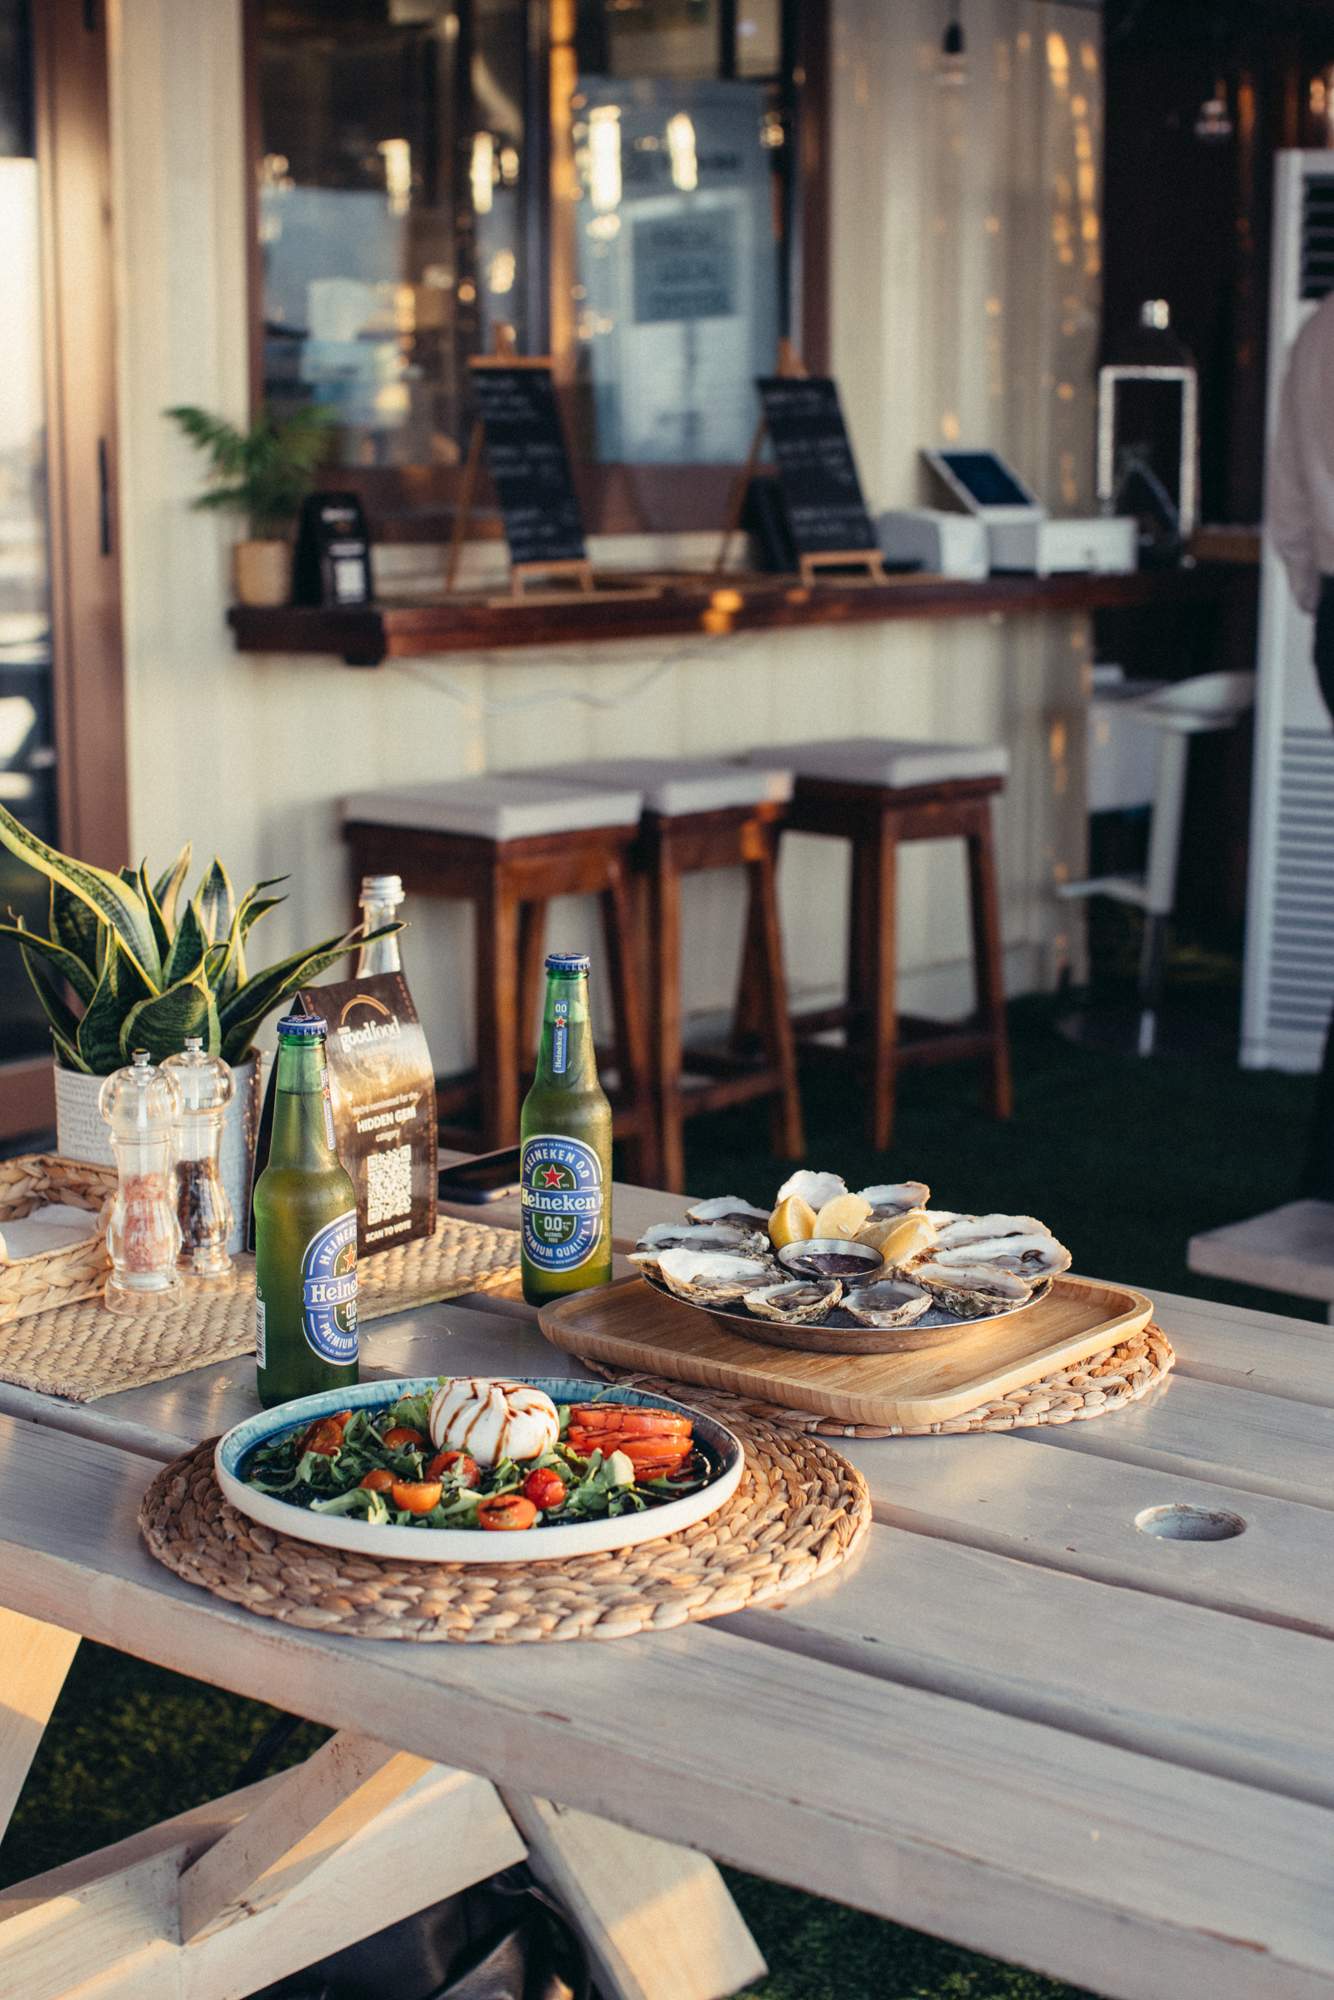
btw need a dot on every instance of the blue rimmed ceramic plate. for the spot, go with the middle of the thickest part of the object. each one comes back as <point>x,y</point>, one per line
<point>472,1545</point>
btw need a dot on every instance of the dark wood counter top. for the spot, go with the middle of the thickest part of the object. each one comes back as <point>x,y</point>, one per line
<point>690,603</point>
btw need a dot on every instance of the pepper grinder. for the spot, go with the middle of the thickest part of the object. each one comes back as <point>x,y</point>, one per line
<point>204,1086</point>
<point>140,1105</point>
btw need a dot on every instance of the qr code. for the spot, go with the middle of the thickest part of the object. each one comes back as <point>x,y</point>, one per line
<point>388,1185</point>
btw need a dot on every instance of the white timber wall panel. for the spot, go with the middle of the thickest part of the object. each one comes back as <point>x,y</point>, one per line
<point>965,290</point>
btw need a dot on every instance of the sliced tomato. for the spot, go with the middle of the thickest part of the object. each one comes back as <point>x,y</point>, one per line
<point>325,1436</point>
<point>378,1480</point>
<point>545,1488</point>
<point>460,1463</point>
<point>616,1417</point>
<point>403,1435</point>
<point>416,1496</point>
<point>506,1511</point>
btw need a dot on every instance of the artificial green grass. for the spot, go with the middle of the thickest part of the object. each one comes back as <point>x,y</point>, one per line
<point>1125,1159</point>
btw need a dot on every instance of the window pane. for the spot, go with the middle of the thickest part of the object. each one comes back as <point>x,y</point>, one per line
<point>389,210</point>
<point>678,255</point>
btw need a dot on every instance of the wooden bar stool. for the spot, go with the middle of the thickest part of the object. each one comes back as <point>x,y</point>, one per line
<point>507,843</point>
<point>703,814</point>
<point>879,793</point>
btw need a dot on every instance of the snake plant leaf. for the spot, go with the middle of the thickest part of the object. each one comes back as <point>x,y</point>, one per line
<point>161,935</point>
<point>69,1056</point>
<point>168,886</point>
<point>120,987</point>
<point>217,902</point>
<point>188,948</point>
<point>66,964</point>
<point>76,927</point>
<point>249,1005</point>
<point>161,1023</point>
<point>113,900</point>
<point>59,1013</point>
<point>254,904</point>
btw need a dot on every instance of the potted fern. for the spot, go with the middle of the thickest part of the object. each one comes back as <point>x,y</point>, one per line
<point>131,961</point>
<point>264,473</point>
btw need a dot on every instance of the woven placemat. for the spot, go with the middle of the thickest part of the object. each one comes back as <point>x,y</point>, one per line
<point>799,1512</point>
<point>81,1351</point>
<point>1107,1381</point>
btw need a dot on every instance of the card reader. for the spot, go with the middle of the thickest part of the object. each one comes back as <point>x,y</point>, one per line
<point>1021,536</point>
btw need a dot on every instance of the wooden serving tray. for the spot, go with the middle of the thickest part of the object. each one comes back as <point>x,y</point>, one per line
<point>628,1325</point>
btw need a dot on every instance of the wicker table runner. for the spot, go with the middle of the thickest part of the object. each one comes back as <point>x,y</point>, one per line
<point>1110,1380</point>
<point>82,1351</point>
<point>799,1512</point>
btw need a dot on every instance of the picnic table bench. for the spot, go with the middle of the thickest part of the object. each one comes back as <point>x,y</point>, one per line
<point>1018,1721</point>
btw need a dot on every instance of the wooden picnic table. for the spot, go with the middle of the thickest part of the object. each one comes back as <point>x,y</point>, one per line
<point>1018,1721</point>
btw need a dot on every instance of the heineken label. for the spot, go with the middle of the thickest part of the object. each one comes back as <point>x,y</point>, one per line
<point>562,1197</point>
<point>329,1291</point>
<point>560,1038</point>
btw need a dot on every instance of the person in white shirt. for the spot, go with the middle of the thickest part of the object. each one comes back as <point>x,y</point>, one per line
<point>1299,503</point>
<point>1299,514</point>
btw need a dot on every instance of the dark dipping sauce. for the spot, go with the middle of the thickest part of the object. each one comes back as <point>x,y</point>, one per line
<point>834,1264</point>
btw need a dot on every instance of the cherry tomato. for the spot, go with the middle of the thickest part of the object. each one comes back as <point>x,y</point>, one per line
<point>416,1496</point>
<point>545,1488</point>
<point>342,1419</point>
<point>506,1511</point>
<point>460,1463</point>
<point>401,1436</point>
<point>378,1480</point>
<point>324,1436</point>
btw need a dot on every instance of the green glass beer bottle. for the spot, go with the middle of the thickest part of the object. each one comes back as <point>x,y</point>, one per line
<point>305,1232</point>
<point>565,1147</point>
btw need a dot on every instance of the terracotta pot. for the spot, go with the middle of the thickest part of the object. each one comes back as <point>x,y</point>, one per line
<point>262,572</point>
<point>81,1134</point>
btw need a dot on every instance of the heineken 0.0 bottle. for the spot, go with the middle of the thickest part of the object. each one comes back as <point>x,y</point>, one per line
<point>565,1147</point>
<point>305,1232</point>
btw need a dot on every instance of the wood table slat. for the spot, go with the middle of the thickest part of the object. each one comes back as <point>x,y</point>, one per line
<point>1120,1871</point>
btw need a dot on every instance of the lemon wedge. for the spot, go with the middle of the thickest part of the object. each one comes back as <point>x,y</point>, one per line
<point>899,1237</point>
<point>842,1217</point>
<point>793,1221</point>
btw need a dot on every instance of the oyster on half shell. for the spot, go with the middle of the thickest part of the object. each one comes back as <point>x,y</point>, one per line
<point>971,1292</point>
<point>1019,1244</point>
<point>712,1277</point>
<point>816,1189</point>
<point>887,1303</point>
<point>730,1210</point>
<point>697,1236</point>
<point>796,1301</point>
<point>895,1198</point>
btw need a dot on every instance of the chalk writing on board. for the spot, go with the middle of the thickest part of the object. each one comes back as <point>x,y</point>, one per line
<point>822,495</point>
<point>528,463</point>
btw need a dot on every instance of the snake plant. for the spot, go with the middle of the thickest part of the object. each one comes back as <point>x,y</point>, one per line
<point>129,962</point>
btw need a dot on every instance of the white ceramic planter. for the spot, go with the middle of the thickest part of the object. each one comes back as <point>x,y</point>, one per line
<point>81,1134</point>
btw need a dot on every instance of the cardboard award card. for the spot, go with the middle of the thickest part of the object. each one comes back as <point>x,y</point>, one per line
<point>382,1086</point>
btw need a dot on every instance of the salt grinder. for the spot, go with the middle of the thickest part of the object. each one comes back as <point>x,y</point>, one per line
<point>140,1105</point>
<point>204,1086</point>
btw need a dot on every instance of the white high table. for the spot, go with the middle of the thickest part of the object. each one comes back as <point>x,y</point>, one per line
<point>1018,1721</point>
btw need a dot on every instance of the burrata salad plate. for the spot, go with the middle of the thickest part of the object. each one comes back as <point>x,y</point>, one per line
<point>475,1469</point>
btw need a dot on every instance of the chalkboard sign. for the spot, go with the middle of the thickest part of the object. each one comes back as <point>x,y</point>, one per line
<point>822,495</point>
<point>527,460</point>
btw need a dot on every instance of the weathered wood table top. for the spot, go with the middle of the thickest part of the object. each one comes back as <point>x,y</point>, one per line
<point>1019,1721</point>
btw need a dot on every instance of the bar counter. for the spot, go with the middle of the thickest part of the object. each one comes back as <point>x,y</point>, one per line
<point>409,627</point>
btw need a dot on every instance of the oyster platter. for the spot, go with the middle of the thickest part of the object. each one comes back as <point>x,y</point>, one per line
<point>868,1271</point>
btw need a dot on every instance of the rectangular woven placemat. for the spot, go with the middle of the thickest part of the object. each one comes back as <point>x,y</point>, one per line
<point>82,1351</point>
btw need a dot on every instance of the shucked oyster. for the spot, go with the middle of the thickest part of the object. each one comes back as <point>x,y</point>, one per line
<point>712,1277</point>
<point>731,1210</point>
<point>889,1302</point>
<point>1019,1244</point>
<point>971,1292</point>
<point>796,1301</point>
<point>696,1236</point>
<point>816,1189</point>
<point>895,1198</point>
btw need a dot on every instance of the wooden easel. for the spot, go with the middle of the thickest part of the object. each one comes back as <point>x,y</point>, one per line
<point>791,366</point>
<point>578,570</point>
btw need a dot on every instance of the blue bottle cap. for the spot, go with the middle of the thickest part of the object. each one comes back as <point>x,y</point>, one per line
<point>568,962</point>
<point>303,1027</point>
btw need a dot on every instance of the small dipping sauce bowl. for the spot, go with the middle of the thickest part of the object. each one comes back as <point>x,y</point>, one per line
<point>831,1257</point>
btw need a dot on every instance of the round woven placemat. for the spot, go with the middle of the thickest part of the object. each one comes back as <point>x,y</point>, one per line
<point>798,1513</point>
<point>81,1350</point>
<point>1105,1382</point>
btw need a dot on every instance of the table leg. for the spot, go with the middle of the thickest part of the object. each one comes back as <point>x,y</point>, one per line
<point>657,1920</point>
<point>34,1660</point>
